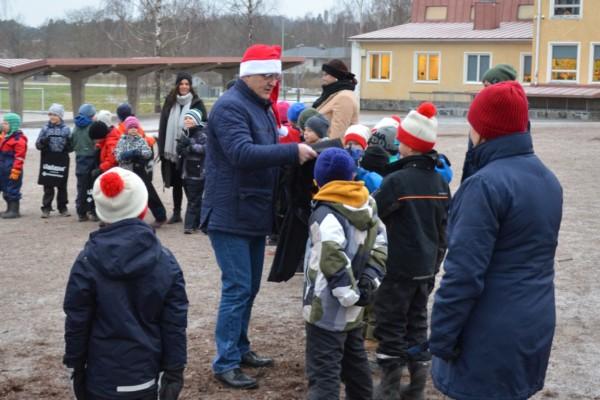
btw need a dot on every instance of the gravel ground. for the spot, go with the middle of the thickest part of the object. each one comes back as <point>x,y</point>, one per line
<point>37,255</point>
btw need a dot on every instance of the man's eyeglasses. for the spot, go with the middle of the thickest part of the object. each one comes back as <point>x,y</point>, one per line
<point>271,77</point>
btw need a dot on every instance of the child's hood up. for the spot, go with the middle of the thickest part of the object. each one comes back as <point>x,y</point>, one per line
<point>124,250</point>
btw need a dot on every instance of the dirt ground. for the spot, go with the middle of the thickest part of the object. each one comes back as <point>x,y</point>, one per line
<point>36,256</point>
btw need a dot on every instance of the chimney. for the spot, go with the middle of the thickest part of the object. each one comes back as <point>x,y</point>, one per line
<point>485,15</point>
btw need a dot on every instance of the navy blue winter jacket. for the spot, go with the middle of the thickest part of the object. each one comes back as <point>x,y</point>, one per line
<point>493,316</point>
<point>242,164</point>
<point>126,310</point>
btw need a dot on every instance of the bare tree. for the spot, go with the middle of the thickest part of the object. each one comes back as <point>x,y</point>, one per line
<point>249,11</point>
<point>358,8</point>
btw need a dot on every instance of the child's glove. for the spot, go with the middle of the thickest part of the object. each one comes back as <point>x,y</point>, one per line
<point>14,174</point>
<point>129,154</point>
<point>78,381</point>
<point>367,288</point>
<point>171,384</point>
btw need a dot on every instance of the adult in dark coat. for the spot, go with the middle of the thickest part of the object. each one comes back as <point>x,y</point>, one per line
<point>493,316</point>
<point>181,98</point>
<point>242,166</point>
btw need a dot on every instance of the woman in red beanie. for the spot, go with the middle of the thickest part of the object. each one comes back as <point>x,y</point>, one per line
<point>493,316</point>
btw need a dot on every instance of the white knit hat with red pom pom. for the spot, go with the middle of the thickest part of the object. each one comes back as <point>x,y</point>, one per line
<point>359,134</point>
<point>119,194</point>
<point>261,59</point>
<point>418,130</point>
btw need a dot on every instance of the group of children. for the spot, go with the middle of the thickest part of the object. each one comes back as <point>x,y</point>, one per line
<point>99,145</point>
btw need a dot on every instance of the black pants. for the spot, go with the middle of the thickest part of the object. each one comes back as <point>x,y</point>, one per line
<point>193,191</point>
<point>401,314</point>
<point>61,197</point>
<point>84,201</point>
<point>155,204</point>
<point>148,396</point>
<point>331,356</point>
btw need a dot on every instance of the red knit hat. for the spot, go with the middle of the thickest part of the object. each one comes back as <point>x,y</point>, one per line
<point>263,59</point>
<point>499,109</point>
<point>418,130</point>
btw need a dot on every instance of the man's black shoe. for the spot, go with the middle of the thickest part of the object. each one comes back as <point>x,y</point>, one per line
<point>236,379</point>
<point>251,359</point>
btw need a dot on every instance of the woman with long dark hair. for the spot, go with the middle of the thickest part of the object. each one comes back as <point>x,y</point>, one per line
<point>337,102</point>
<point>181,99</point>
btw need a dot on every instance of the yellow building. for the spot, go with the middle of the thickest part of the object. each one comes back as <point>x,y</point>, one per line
<point>449,44</point>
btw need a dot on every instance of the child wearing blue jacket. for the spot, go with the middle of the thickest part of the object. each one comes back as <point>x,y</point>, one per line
<point>125,303</point>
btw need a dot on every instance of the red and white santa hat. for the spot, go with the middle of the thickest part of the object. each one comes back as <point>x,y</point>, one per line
<point>359,134</point>
<point>119,194</point>
<point>394,121</point>
<point>261,59</point>
<point>418,130</point>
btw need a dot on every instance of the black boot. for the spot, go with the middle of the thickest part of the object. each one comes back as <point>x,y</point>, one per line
<point>12,210</point>
<point>175,218</point>
<point>418,377</point>
<point>389,387</point>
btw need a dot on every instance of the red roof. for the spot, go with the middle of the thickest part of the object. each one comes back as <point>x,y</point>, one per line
<point>446,31</point>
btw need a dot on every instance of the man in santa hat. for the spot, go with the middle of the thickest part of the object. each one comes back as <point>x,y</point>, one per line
<point>242,164</point>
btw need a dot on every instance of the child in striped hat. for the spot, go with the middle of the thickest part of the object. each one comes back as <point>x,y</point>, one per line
<point>191,148</point>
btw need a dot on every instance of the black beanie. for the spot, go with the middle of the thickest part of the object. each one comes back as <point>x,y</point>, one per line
<point>98,130</point>
<point>375,159</point>
<point>181,76</point>
<point>123,111</point>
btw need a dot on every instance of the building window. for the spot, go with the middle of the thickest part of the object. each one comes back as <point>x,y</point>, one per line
<point>565,8</point>
<point>427,67</point>
<point>526,68</point>
<point>525,12</point>
<point>436,13</point>
<point>475,66</point>
<point>596,63</point>
<point>564,62</point>
<point>380,66</point>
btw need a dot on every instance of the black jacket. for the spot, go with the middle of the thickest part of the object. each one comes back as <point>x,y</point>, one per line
<point>192,155</point>
<point>126,310</point>
<point>413,203</point>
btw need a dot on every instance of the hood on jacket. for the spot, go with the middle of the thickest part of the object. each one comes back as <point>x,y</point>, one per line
<point>351,199</point>
<point>125,249</point>
<point>82,121</point>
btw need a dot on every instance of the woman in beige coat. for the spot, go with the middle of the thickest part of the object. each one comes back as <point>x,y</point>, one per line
<point>337,102</point>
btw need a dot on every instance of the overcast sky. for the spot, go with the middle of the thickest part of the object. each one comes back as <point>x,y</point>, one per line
<point>36,12</point>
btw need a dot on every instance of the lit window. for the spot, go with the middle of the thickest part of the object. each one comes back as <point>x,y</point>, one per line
<point>428,67</point>
<point>436,13</point>
<point>380,66</point>
<point>476,66</point>
<point>526,68</point>
<point>564,63</point>
<point>596,65</point>
<point>566,8</point>
<point>525,12</point>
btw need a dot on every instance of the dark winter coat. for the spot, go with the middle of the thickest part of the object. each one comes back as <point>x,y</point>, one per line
<point>242,164</point>
<point>54,138</point>
<point>494,313</point>
<point>126,310</point>
<point>413,202</point>
<point>193,154</point>
<point>167,167</point>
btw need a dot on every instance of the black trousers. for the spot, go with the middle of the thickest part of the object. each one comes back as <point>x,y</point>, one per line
<point>148,396</point>
<point>62,198</point>
<point>84,201</point>
<point>155,204</point>
<point>334,356</point>
<point>194,189</point>
<point>401,319</point>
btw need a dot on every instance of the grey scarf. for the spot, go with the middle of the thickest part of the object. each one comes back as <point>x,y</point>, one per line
<point>175,125</point>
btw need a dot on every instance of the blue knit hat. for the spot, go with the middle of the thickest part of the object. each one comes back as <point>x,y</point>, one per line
<point>123,111</point>
<point>294,111</point>
<point>334,164</point>
<point>196,115</point>
<point>87,110</point>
